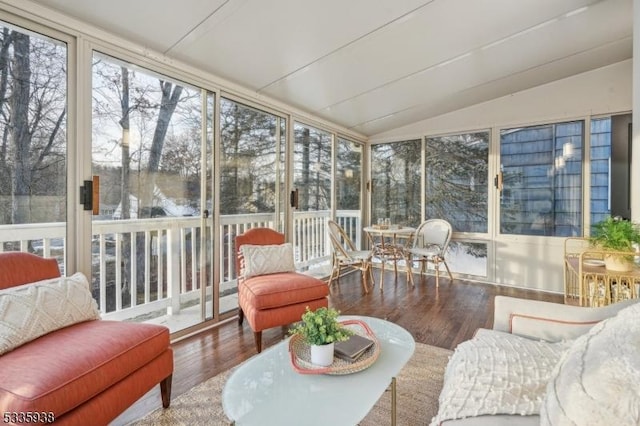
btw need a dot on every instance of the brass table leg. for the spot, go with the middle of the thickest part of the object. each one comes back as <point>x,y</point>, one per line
<point>393,401</point>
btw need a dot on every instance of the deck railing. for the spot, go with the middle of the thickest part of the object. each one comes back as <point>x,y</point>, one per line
<point>142,267</point>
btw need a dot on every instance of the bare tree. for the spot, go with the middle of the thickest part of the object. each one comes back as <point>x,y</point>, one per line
<point>33,112</point>
<point>5,173</point>
<point>125,160</point>
<point>19,104</point>
<point>169,101</point>
<point>132,102</point>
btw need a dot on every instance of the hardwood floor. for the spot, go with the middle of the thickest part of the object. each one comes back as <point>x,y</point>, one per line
<point>441,317</point>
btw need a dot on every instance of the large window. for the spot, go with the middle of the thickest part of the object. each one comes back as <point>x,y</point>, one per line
<point>312,168</point>
<point>456,180</point>
<point>251,157</point>
<point>395,182</point>
<point>542,180</point>
<point>348,177</point>
<point>33,146</point>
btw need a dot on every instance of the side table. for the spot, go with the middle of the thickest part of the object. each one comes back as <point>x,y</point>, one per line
<point>588,283</point>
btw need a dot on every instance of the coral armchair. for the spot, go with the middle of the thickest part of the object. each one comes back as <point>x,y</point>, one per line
<point>270,292</point>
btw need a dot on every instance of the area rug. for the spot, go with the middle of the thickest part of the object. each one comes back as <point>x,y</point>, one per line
<point>418,386</point>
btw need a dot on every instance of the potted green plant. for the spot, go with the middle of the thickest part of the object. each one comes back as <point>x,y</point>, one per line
<point>616,234</point>
<point>321,329</point>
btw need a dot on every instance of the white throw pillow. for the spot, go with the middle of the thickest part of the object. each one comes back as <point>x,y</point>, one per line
<point>267,259</point>
<point>497,373</point>
<point>33,310</point>
<point>597,381</point>
<point>548,329</point>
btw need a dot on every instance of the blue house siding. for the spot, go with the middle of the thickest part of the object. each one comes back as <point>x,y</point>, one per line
<point>542,186</point>
<point>600,155</point>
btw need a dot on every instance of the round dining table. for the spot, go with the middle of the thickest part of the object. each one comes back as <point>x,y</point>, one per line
<point>389,244</point>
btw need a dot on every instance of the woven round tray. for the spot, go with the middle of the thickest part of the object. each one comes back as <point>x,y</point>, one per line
<point>301,354</point>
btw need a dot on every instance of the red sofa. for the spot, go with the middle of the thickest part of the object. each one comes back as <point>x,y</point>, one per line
<point>84,374</point>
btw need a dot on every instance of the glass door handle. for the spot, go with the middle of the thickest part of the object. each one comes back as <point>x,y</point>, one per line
<point>90,195</point>
<point>497,181</point>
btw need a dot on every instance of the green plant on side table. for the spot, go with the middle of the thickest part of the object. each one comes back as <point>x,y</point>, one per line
<point>321,329</point>
<point>616,235</point>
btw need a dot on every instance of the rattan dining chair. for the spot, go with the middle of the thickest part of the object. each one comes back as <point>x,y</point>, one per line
<point>430,244</point>
<point>345,255</point>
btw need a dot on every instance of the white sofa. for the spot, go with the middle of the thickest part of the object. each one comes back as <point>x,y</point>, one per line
<point>531,340</point>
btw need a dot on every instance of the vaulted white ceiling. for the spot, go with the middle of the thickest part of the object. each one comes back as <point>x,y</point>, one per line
<point>374,65</point>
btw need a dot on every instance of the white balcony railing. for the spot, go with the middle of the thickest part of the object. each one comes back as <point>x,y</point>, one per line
<point>145,267</point>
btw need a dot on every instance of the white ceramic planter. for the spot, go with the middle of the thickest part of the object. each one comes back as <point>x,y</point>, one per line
<point>322,354</point>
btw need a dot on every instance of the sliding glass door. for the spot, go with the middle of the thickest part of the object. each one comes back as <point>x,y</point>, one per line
<point>347,181</point>
<point>149,256</point>
<point>252,159</point>
<point>457,190</point>
<point>312,188</point>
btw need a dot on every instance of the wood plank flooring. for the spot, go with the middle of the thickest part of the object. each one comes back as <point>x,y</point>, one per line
<point>443,317</point>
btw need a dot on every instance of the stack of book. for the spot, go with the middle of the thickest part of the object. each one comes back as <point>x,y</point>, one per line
<point>352,349</point>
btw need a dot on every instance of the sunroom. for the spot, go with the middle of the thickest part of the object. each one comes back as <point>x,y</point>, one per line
<point>149,136</point>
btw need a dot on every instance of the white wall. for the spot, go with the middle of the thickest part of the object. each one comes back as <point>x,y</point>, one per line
<point>602,91</point>
<point>635,153</point>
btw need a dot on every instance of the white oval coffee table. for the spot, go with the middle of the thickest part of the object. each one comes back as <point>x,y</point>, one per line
<point>265,389</point>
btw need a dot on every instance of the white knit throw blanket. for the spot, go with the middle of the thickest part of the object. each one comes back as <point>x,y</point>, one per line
<point>497,373</point>
<point>597,381</point>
